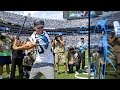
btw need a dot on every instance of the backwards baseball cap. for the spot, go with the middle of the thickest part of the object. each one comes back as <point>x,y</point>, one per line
<point>38,22</point>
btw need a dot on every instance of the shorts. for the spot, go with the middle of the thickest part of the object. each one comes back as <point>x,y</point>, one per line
<point>60,57</point>
<point>5,60</point>
<point>39,69</point>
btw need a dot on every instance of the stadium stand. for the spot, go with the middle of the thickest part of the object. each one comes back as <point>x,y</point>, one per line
<point>69,28</point>
<point>49,23</point>
<point>114,16</point>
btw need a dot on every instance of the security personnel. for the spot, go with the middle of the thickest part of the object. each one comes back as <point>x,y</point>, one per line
<point>82,46</point>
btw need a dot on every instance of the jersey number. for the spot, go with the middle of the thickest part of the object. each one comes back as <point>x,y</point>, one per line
<point>40,49</point>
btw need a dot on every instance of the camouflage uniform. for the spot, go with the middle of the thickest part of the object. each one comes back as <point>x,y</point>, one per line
<point>59,51</point>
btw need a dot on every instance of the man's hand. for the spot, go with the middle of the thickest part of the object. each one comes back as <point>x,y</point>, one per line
<point>62,42</point>
<point>59,38</point>
<point>26,46</point>
<point>76,55</point>
<point>15,41</point>
<point>71,62</point>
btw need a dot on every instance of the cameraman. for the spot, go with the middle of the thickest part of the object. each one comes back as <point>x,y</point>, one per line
<point>59,50</point>
<point>73,59</point>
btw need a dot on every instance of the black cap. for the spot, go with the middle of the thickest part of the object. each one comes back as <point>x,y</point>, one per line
<point>38,22</point>
<point>82,37</point>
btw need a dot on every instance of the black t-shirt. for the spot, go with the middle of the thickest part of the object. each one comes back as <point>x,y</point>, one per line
<point>18,54</point>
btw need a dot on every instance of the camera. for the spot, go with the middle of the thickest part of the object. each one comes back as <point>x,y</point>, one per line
<point>71,48</point>
<point>56,38</point>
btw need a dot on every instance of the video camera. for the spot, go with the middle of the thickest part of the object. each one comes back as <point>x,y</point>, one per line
<point>56,37</point>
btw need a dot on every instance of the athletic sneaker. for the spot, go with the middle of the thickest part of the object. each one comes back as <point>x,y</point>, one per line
<point>66,72</point>
<point>77,73</point>
<point>58,72</point>
<point>84,70</point>
<point>92,73</point>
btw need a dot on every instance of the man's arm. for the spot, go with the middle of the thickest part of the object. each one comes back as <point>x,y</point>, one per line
<point>24,46</point>
<point>79,44</point>
<point>62,42</point>
<point>53,43</point>
<point>111,40</point>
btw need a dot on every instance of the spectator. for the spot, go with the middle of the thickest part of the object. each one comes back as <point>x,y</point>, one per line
<point>28,61</point>
<point>17,59</point>
<point>73,60</point>
<point>59,50</point>
<point>115,43</point>
<point>5,54</point>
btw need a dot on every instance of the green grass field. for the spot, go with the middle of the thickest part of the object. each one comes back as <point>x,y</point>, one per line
<point>62,75</point>
<point>111,74</point>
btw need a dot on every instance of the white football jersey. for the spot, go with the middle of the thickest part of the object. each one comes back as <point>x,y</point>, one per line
<point>44,50</point>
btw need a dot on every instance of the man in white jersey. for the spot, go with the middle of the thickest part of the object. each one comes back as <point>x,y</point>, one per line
<point>44,62</point>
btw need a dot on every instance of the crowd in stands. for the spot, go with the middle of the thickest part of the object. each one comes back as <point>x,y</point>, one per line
<point>70,40</point>
<point>16,19</point>
<point>49,23</point>
<point>115,16</point>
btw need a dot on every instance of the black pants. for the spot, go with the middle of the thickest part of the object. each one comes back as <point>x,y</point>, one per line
<point>25,70</point>
<point>81,58</point>
<point>70,67</point>
<point>18,62</point>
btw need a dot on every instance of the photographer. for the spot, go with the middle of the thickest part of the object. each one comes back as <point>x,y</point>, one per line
<point>59,50</point>
<point>72,59</point>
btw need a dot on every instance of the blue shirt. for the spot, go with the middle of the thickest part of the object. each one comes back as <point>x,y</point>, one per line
<point>82,46</point>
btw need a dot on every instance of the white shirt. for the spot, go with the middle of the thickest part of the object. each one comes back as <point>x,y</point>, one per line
<point>47,55</point>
